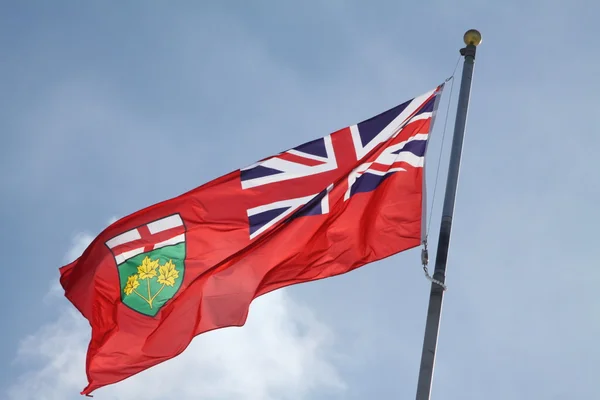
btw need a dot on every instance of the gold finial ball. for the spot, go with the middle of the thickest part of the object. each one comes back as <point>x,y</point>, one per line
<point>472,36</point>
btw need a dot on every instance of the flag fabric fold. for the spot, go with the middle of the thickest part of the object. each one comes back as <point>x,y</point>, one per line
<point>153,280</point>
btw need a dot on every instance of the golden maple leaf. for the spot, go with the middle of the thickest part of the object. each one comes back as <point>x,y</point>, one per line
<point>168,274</point>
<point>132,284</point>
<point>148,268</point>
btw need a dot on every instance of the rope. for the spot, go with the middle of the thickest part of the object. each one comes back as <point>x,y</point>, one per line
<point>437,173</point>
<point>424,251</point>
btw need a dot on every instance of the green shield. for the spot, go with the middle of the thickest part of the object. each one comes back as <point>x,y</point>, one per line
<point>150,279</point>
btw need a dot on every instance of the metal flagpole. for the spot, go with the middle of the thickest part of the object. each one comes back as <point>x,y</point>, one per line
<point>472,39</point>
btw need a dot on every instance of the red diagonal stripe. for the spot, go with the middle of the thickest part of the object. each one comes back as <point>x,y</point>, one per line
<point>300,160</point>
<point>385,168</point>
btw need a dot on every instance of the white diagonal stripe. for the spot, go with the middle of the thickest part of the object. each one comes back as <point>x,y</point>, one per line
<point>292,170</point>
<point>410,158</point>
<point>280,204</point>
<point>425,115</point>
<point>387,157</point>
<point>292,204</point>
<point>390,130</point>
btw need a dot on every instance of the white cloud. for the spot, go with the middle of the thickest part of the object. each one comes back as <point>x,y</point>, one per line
<point>283,352</point>
<point>78,245</point>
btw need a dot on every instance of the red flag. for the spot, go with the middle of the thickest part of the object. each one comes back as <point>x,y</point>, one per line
<point>153,280</point>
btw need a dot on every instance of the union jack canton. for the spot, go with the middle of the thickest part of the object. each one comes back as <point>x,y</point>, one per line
<point>333,169</point>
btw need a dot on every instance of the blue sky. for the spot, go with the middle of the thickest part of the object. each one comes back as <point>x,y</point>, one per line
<point>108,108</point>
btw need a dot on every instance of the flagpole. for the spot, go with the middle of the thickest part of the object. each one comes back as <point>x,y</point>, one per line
<point>472,39</point>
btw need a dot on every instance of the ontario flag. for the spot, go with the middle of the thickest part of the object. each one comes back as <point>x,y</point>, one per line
<point>153,280</point>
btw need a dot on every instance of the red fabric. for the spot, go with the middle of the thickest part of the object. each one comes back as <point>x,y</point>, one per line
<point>225,270</point>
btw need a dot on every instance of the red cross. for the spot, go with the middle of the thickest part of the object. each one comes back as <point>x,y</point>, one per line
<point>148,240</point>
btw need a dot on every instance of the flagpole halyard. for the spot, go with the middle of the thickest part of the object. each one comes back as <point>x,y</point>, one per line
<point>472,39</point>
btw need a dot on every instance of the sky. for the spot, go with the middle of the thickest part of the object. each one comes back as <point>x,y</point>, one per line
<point>108,107</point>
